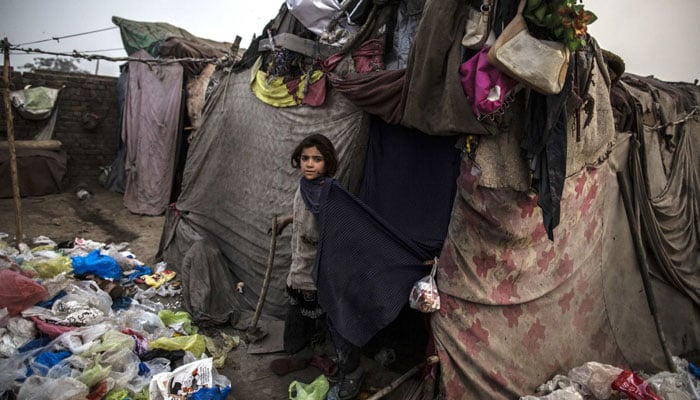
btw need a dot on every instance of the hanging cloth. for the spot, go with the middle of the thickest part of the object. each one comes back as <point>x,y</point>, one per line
<point>365,269</point>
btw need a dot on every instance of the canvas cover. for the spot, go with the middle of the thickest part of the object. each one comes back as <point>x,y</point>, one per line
<point>239,176</point>
<point>150,127</point>
<point>518,308</point>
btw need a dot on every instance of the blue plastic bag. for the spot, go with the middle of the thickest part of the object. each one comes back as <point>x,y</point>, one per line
<point>95,263</point>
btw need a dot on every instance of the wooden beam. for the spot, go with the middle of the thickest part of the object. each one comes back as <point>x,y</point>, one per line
<point>11,143</point>
<point>53,145</point>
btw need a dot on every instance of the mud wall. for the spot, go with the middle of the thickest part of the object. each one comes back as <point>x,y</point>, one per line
<point>87,122</point>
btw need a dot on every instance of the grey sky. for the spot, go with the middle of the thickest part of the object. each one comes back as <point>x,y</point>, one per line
<point>23,21</point>
<point>653,37</point>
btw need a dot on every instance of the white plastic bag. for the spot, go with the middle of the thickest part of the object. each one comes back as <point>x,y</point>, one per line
<point>424,295</point>
<point>186,379</point>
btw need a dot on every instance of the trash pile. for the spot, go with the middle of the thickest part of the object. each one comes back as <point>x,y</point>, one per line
<point>594,380</point>
<point>82,319</point>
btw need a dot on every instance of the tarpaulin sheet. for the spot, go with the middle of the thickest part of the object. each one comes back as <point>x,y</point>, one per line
<point>139,35</point>
<point>664,171</point>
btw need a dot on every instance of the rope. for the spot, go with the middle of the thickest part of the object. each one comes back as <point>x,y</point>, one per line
<point>691,114</point>
<point>77,54</point>
<point>58,38</point>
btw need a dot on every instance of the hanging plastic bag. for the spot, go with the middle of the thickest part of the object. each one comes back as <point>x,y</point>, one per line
<point>424,295</point>
<point>316,390</point>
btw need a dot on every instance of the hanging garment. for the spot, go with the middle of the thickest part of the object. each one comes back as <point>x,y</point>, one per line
<point>308,89</point>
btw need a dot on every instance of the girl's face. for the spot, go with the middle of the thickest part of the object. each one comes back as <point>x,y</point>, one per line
<point>312,163</point>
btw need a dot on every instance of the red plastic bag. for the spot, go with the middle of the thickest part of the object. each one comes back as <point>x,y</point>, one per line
<point>17,292</point>
<point>634,386</point>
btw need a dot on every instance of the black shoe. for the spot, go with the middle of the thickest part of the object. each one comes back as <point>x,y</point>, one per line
<point>349,387</point>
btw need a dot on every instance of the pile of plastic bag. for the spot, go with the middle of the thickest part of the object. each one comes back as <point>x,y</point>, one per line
<point>74,323</point>
<point>598,381</point>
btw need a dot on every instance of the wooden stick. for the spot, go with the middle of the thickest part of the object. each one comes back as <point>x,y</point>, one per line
<point>268,272</point>
<point>11,143</point>
<point>633,220</point>
<point>403,378</point>
<point>235,47</point>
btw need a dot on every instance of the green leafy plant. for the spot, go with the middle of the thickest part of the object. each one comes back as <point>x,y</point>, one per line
<point>566,20</point>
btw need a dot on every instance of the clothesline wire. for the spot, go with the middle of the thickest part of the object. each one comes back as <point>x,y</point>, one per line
<point>77,54</point>
<point>84,51</point>
<point>58,38</point>
<point>693,113</point>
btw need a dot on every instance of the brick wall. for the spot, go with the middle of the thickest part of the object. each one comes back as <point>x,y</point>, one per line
<point>88,148</point>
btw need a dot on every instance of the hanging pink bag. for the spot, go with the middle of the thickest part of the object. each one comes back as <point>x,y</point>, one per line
<point>487,89</point>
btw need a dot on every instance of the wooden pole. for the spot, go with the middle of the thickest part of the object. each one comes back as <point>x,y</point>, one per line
<point>633,220</point>
<point>11,142</point>
<point>235,47</point>
<point>403,378</point>
<point>253,332</point>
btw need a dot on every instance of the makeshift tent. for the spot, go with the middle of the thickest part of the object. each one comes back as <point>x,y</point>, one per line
<point>517,306</point>
<point>177,112</point>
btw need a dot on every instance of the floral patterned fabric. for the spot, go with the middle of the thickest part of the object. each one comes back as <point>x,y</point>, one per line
<point>511,298</point>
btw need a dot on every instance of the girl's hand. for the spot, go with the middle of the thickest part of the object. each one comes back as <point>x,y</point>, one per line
<point>281,224</point>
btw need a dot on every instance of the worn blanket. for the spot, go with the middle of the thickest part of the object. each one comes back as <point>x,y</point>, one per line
<point>365,269</point>
<point>410,180</point>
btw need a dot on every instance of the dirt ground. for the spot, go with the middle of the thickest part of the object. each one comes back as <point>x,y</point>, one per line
<point>102,217</point>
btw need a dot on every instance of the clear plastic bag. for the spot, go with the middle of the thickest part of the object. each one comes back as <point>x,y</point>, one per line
<point>88,293</point>
<point>595,378</point>
<point>39,387</point>
<point>424,295</point>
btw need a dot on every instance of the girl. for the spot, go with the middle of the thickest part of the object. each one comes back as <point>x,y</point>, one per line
<point>315,156</point>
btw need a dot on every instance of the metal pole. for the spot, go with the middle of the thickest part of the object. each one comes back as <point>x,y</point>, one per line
<point>11,142</point>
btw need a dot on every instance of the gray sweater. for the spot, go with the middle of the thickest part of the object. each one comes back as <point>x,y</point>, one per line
<point>304,240</point>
